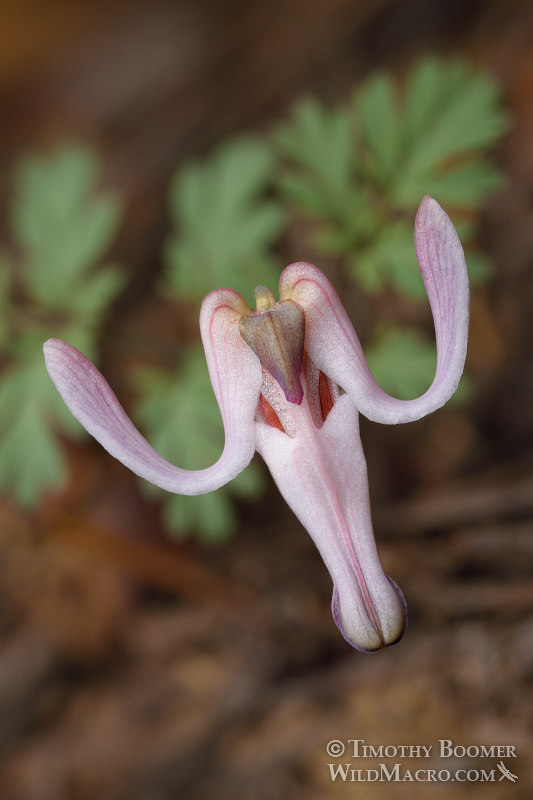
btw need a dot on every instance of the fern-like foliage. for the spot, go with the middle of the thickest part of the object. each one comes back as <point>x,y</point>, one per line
<point>52,284</point>
<point>225,224</point>
<point>182,420</point>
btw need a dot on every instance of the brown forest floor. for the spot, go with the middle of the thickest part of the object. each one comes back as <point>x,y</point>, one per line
<point>132,668</point>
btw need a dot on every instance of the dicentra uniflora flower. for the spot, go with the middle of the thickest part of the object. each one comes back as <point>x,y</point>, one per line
<point>290,379</point>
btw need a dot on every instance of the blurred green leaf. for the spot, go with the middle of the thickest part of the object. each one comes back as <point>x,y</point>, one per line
<point>249,483</point>
<point>403,363</point>
<point>224,223</point>
<point>450,113</point>
<point>379,127</point>
<point>61,224</point>
<point>30,458</point>
<point>357,172</point>
<point>5,299</point>
<point>450,108</point>
<point>465,186</point>
<point>317,144</point>
<point>62,227</point>
<point>479,267</point>
<point>211,516</point>
<point>390,260</point>
<point>49,189</point>
<point>182,421</point>
<point>95,293</point>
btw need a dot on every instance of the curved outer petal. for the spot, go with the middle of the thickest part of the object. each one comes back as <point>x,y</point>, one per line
<point>322,475</point>
<point>236,377</point>
<point>333,344</point>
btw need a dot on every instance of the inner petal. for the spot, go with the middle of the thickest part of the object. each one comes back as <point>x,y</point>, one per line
<point>276,336</point>
<point>268,415</point>
<point>321,391</point>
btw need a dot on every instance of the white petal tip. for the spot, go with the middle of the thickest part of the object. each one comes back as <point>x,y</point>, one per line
<point>385,629</point>
<point>430,212</point>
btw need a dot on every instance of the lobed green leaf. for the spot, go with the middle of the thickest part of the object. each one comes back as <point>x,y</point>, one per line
<point>60,223</point>
<point>403,362</point>
<point>429,138</point>
<point>225,225</point>
<point>30,458</point>
<point>379,128</point>
<point>62,227</point>
<point>182,421</point>
<point>317,145</point>
<point>390,259</point>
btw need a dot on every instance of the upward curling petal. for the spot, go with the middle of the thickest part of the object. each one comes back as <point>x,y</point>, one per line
<point>236,377</point>
<point>333,344</point>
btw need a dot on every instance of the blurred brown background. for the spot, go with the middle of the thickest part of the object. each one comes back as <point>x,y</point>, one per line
<point>132,668</point>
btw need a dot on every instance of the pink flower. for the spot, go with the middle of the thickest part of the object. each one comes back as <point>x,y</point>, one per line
<point>290,379</point>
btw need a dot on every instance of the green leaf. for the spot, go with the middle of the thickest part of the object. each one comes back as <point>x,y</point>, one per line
<point>91,298</point>
<point>402,361</point>
<point>5,297</point>
<point>211,516</point>
<point>379,127</point>
<point>479,267</point>
<point>390,260</point>
<point>429,138</point>
<point>317,144</point>
<point>225,224</point>
<point>48,190</point>
<point>451,113</point>
<point>465,186</point>
<point>182,421</point>
<point>180,413</point>
<point>30,458</point>
<point>249,483</point>
<point>63,226</point>
<point>357,172</point>
<point>451,108</point>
